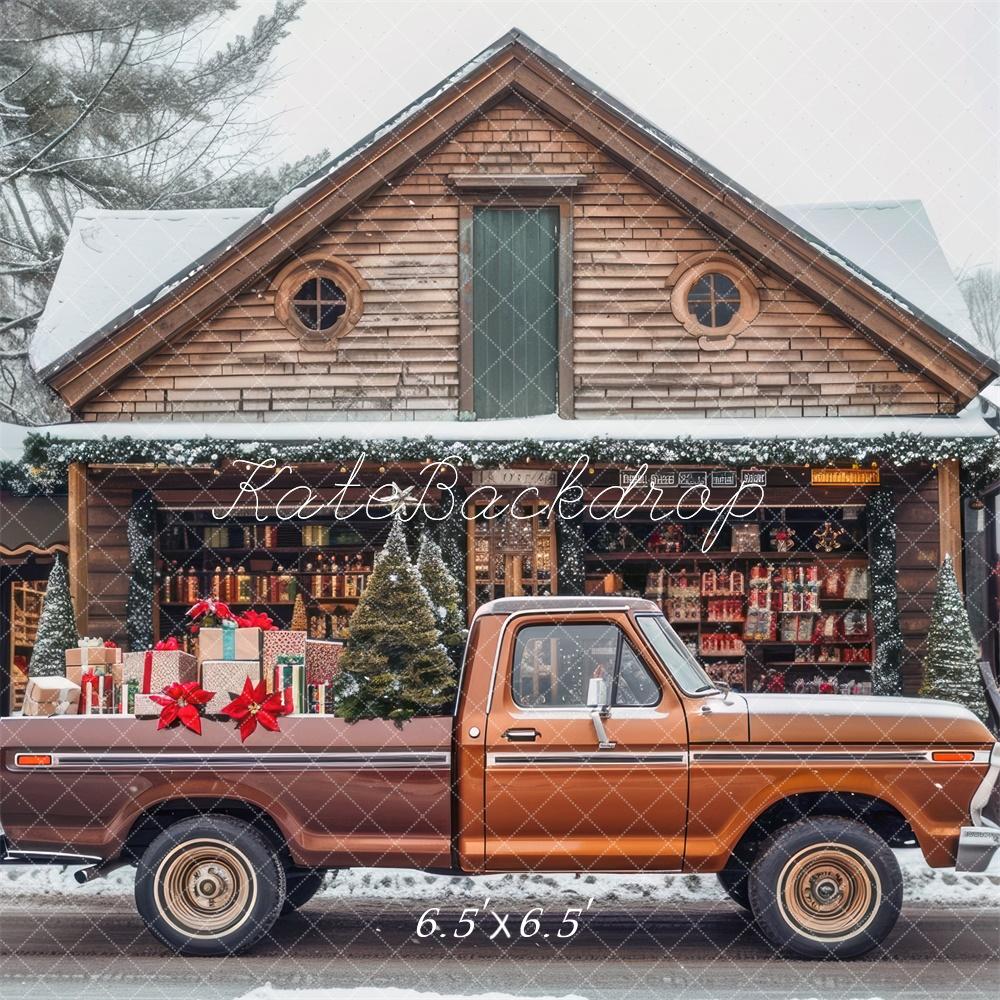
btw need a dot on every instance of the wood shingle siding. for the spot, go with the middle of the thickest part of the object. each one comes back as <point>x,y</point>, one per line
<point>631,357</point>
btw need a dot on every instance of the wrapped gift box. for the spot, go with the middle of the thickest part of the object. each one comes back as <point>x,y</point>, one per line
<point>46,696</point>
<point>290,679</point>
<point>98,692</point>
<point>322,660</point>
<point>165,666</point>
<point>279,643</point>
<point>229,644</point>
<point>226,678</point>
<point>112,669</point>
<point>92,656</point>
<point>146,708</point>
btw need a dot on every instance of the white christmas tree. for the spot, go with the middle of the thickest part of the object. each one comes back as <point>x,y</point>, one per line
<point>951,666</point>
<point>56,626</point>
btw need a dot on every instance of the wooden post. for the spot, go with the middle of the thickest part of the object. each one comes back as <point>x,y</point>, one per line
<point>76,511</point>
<point>950,515</point>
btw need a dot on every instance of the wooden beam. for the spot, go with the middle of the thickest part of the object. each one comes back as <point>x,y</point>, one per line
<point>76,523</point>
<point>515,182</point>
<point>950,514</point>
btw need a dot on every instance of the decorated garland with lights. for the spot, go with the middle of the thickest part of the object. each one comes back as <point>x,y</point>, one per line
<point>140,529</point>
<point>886,668</point>
<point>46,459</point>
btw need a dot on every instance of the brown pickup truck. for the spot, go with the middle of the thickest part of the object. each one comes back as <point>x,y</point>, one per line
<point>585,737</point>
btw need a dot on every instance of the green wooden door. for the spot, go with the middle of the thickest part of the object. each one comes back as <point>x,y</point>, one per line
<point>515,311</point>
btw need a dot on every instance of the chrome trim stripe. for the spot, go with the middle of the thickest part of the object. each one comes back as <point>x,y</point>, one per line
<point>832,756</point>
<point>601,758</point>
<point>263,760</point>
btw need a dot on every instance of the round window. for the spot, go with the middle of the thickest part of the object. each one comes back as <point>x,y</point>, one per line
<point>715,297</point>
<point>319,303</point>
<point>319,299</point>
<point>714,300</point>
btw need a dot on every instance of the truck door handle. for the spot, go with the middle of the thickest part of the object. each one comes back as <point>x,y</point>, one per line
<point>521,735</point>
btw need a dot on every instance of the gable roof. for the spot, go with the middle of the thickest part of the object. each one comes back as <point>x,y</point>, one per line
<point>517,64</point>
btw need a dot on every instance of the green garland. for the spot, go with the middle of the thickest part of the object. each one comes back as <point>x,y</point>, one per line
<point>46,459</point>
<point>887,667</point>
<point>140,530</point>
<point>571,577</point>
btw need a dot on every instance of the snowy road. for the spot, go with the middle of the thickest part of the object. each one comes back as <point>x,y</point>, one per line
<point>701,951</point>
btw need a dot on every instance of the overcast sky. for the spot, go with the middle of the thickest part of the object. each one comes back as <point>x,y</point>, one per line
<point>800,102</point>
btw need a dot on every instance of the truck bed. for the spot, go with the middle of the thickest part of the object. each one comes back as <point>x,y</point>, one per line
<point>340,794</point>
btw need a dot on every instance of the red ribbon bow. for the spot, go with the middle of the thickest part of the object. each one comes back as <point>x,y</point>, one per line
<point>256,619</point>
<point>182,703</point>
<point>168,645</point>
<point>210,606</point>
<point>110,644</point>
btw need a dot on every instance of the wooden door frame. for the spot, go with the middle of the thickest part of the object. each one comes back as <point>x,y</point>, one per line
<point>564,270</point>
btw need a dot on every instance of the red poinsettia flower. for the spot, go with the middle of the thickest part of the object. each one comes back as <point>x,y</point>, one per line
<point>169,644</point>
<point>110,644</point>
<point>182,703</point>
<point>256,619</point>
<point>210,606</point>
<point>254,705</point>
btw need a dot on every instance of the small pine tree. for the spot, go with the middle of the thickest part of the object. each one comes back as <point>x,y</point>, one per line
<point>300,621</point>
<point>445,597</point>
<point>951,667</point>
<point>56,626</point>
<point>393,666</point>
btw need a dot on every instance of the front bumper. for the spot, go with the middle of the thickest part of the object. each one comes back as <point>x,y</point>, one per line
<point>977,844</point>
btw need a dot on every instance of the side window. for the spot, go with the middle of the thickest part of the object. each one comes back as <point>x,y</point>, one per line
<point>634,686</point>
<point>553,665</point>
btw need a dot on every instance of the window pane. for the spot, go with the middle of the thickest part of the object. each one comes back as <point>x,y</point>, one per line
<point>674,655</point>
<point>635,685</point>
<point>725,287</point>
<point>553,664</point>
<point>308,315</point>
<point>724,312</point>
<point>702,311</point>
<point>701,290</point>
<point>307,291</point>
<point>329,314</point>
<point>329,291</point>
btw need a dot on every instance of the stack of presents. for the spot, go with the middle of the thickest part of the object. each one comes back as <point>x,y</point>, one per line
<point>101,680</point>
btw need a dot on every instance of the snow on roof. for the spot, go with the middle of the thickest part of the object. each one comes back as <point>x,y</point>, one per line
<point>894,242</point>
<point>544,428</point>
<point>114,259</point>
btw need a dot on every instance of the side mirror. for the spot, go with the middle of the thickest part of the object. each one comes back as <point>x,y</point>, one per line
<point>597,693</point>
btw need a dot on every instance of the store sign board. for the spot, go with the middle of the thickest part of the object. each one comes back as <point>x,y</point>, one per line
<point>540,478</point>
<point>753,477</point>
<point>725,478</point>
<point>661,479</point>
<point>844,477</point>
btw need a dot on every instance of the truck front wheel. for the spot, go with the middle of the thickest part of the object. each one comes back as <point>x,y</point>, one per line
<point>826,887</point>
<point>209,885</point>
<point>300,887</point>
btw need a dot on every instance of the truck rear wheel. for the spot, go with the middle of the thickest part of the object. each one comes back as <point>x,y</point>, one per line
<point>826,887</point>
<point>209,885</point>
<point>300,887</point>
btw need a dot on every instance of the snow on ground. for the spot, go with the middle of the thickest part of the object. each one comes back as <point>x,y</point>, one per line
<point>922,885</point>
<point>268,992</point>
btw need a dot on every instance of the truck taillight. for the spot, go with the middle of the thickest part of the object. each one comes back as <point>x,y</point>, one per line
<point>33,760</point>
<point>953,756</point>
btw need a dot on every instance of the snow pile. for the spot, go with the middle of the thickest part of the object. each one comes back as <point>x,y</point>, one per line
<point>921,885</point>
<point>268,992</point>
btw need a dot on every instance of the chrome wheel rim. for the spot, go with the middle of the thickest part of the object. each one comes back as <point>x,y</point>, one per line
<point>205,888</point>
<point>829,892</point>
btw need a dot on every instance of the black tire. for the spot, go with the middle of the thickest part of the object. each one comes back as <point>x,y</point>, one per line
<point>300,886</point>
<point>826,887</point>
<point>734,880</point>
<point>209,885</point>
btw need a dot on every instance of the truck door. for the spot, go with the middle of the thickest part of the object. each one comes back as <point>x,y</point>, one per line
<point>556,798</point>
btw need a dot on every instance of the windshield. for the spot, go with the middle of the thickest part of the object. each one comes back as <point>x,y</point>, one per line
<point>674,655</point>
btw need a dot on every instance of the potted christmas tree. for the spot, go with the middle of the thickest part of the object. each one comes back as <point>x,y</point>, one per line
<point>951,666</point>
<point>445,597</point>
<point>56,626</point>
<point>393,665</point>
